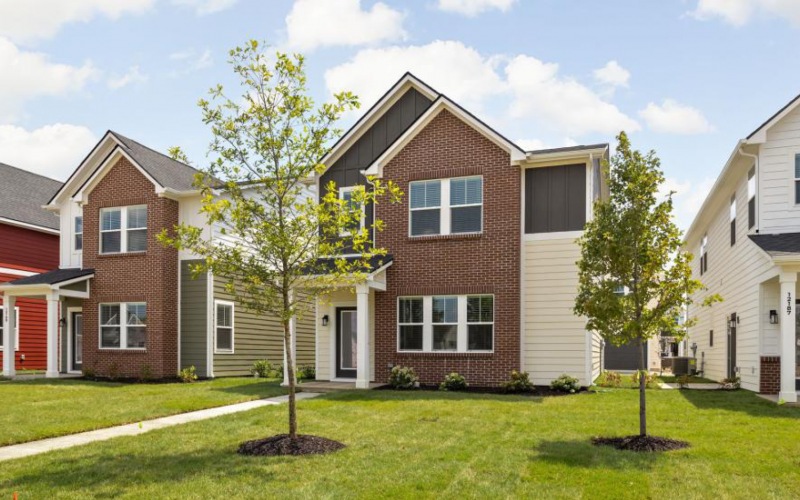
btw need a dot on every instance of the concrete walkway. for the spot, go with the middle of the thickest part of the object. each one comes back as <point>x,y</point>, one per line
<point>695,386</point>
<point>59,443</point>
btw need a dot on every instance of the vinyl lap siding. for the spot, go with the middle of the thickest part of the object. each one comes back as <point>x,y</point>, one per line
<point>555,340</point>
<point>194,324</point>
<point>776,180</point>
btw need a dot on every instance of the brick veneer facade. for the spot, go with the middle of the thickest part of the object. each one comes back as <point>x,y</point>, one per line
<point>150,276</point>
<point>487,263</point>
<point>770,379</point>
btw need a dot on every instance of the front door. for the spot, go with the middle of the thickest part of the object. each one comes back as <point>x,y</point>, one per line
<point>346,342</point>
<point>76,340</point>
<point>732,346</point>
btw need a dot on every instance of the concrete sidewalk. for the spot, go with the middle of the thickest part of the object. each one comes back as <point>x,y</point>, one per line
<point>58,443</point>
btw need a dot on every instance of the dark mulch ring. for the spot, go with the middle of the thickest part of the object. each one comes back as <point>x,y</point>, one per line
<point>539,390</point>
<point>282,444</point>
<point>638,443</point>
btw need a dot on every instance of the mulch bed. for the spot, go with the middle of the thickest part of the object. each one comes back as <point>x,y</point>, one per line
<point>645,444</point>
<point>282,444</point>
<point>539,390</point>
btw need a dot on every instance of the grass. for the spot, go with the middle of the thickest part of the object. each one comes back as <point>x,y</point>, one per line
<point>671,379</point>
<point>446,445</point>
<point>37,409</point>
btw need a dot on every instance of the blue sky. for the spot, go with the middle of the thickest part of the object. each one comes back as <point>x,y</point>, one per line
<point>686,77</point>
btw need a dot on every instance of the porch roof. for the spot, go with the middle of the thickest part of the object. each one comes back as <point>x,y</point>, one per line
<point>375,263</point>
<point>53,277</point>
<point>778,245</point>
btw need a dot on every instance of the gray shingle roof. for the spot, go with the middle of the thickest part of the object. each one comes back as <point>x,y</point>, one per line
<point>22,195</point>
<point>582,147</point>
<point>778,244</point>
<point>53,277</point>
<point>375,263</point>
<point>166,171</point>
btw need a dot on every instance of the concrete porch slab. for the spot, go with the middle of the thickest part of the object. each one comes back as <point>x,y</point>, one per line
<point>774,398</point>
<point>329,386</point>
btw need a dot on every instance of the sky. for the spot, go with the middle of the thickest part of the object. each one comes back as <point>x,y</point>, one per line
<point>687,78</point>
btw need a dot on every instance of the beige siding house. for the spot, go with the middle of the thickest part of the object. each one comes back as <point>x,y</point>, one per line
<point>746,239</point>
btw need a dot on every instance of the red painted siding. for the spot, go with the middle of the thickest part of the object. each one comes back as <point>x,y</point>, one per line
<point>32,251</point>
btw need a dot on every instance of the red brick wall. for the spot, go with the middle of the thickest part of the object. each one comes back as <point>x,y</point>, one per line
<point>488,263</point>
<point>770,380</point>
<point>150,276</point>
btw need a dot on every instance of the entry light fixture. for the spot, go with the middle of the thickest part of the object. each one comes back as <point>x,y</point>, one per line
<point>732,323</point>
<point>325,320</point>
<point>773,317</point>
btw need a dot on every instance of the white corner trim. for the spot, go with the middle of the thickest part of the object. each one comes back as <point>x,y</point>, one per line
<point>209,324</point>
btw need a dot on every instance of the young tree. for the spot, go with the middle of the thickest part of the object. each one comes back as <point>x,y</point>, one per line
<point>279,245</point>
<point>634,279</point>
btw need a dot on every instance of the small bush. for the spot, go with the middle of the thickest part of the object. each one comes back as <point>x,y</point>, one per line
<point>146,373</point>
<point>565,383</point>
<point>403,377</point>
<point>89,372</point>
<point>264,369</point>
<point>113,371</point>
<point>683,381</point>
<point>609,379</point>
<point>454,382</point>
<point>731,384</point>
<point>520,382</point>
<point>651,379</point>
<point>188,375</point>
<point>307,372</point>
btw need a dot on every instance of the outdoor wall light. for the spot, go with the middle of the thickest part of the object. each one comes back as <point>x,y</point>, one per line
<point>773,317</point>
<point>325,320</point>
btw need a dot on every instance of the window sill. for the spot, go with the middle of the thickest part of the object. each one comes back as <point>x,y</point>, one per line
<point>223,352</point>
<point>121,254</point>
<point>447,354</point>
<point>458,236</point>
<point>121,349</point>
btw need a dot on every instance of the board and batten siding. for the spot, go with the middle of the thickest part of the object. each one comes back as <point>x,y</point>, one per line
<point>258,337</point>
<point>736,274</point>
<point>194,322</point>
<point>778,211</point>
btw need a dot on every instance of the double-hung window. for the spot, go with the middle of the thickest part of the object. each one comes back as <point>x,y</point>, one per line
<point>3,327</point>
<point>463,323</point>
<point>123,229</point>
<point>346,194</point>
<point>446,206</point>
<point>751,198</point>
<point>123,325</point>
<point>704,255</point>
<point>78,245</point>
<point>733,220</point>
<point>223,327</point>
<point>797,179</point>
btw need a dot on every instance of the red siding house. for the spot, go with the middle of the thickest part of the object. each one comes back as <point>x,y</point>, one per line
<point>28,245</point>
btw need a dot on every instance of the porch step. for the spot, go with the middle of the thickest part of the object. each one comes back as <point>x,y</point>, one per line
<point>328,386</point>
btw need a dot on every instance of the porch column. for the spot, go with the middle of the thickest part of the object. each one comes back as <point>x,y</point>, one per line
<point>788,286</point>
<point>52,335</point>
<point>9,335</point>
<point>293,337</point>
<point>362,335</point>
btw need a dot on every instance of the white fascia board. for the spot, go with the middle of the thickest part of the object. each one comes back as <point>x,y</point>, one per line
<point>760,135</point>
<point>582,154</point>
<point>76,178</point>
<point>82,195</point>
<point>441,104</point>
<point>26,225</point>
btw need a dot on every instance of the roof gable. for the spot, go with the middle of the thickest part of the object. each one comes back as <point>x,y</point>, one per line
<point>22,195</point>
<point>759,135</point>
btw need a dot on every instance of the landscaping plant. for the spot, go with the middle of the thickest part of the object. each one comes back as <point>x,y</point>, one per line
<point>566,383</point>
<point>609,379</point>
<point>263,368</point>
<point>307,372</point>
<point>520,382</point>
<point>454,382</point>
<point>188,375</point>
<point>403,377</point>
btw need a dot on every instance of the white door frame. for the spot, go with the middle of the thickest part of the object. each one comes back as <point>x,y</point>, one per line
<point>70,310</point>
<point>332,306</point>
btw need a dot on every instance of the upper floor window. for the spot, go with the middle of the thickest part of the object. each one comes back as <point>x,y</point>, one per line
<point>733,220</point>
<point>346,194</point>
<point>3,326</point>
<point>78,244</point>
<point>223,331</point>
<point>123,325</point>
<point>704,254</point>
<point>751,198</point>
<point>446,206</point>
<point>555,198</point>
<point>797,178</point>
<point>123,229</point>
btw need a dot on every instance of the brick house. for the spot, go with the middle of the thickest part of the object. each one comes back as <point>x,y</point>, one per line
<point>482,274</point>
<point>28,246</point>
<point>129,306</point>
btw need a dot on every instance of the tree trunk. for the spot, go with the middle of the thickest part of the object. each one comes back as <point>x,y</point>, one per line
<point>287,342</point>
<point>642,386</point>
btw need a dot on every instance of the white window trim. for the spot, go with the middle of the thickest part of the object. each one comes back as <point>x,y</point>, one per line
<point>732,207</point>
<point>75,248</point>
<point>233,326</point>
<point>457,323</point>
<point>123,327</point>
<point>427,324</point>
<point>16,329</point>
<point>350,189</point>
<point>123,230</point>
<point>444,207</point>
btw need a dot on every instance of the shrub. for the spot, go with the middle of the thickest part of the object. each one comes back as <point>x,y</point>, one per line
<point>651,379</point>
<point>520,382</point>
<point>188,375</point>
<point>89,372</point>
<point>264,369</point>
<point>113,371</point>
<point>454,382</point>
<point>731,384</point>
<point>307,372</point>
<point>146,373</point>
<point>609,379</point>
<point>565,383</point>
<point>403,377</point>
<point>683,381</point>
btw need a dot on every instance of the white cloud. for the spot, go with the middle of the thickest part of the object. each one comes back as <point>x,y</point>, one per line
<point>192,61</point>
<point>134,75</point>
<point>449,67</point>
<point>31,74</point>
<point>612,74</point>
<point>740,12</point>
<point>205,7</point>
<point>472,8</point>
<point>317,23</point>
<point>53,150</point>
<point>688,198</point>
<point>672,117</point>
<point>537,144</point>
<point>36,19</point>
<point>562,102</point>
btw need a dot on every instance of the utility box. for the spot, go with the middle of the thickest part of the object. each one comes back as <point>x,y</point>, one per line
<point>684,366</point>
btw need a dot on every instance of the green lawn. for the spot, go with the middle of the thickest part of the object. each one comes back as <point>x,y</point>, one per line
<point>446,445</point>
<point>36,409</point>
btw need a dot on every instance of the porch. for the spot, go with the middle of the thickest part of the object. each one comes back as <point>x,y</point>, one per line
<point>63,290</point>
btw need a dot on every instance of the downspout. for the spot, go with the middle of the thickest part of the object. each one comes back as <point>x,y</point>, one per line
<point>758,183</point>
